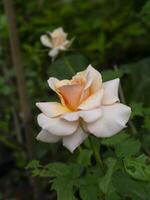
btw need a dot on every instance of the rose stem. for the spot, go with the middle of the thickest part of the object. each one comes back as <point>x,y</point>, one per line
<point>122,97</point>
<point>95,152</point>
<point>93,147</point>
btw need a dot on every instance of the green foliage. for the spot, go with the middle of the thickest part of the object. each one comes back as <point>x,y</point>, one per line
<point>64,188</point>
<point>105,181</point>
<point>69,65</point>
<point>138,81</point>
<point>137,109</point>
<point>84,157</point>
<point>88,185</point>
<point>147,118</point>
<point>54,169</point>
<point>129,188</point>
<point>118,181</point>
<point>64,177</point>
<point>112,74</point>
<point>124,144</point>
<point>127,148</point>
<point>138,168</point>
<point>145,12</point>
<point>116,139</point>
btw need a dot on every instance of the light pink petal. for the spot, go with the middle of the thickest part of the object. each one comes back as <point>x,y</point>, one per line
<point>72,116</point>
<point>114,119</point>
<point>52,83</point>
<point>85,79</point>
<point>53,52</point>
<point>52,109</point>
<point>87,116</point>
<point>45,40</point>
<point>57,126</point>
<point>46,136</point>
<point>91,115</point>
<point>58,32</point>
<point>65,45</point>
<point>93,101</point>
<point>97,79</point>
<point>110,92</point>
<point>89,78</point>
<point>73,141</point>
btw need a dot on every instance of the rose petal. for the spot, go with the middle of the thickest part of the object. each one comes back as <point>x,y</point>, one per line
<point>54,83</point>
<point>45,40</point>
<point>54,52</point>
<point>72,116</point>
<point>114,119</point>
<point>57,126</point>
<point>71,94</point>
<point>73,141</point>
<point>93,101</point>
<point>110,92</point>
<point>58,32</point>
<point>97,79</point>
<point>87,116</point>
<point>65,45</point>
<point>91,115</point>
<point>83,78</point>
<point>52,109</point>
<point>46,136</point>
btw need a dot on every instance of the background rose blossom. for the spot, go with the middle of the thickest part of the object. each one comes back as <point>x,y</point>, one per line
<point>56,41</point>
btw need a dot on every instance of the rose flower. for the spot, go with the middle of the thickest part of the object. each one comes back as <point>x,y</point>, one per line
<point>56,41</point>
<point>87,106</point>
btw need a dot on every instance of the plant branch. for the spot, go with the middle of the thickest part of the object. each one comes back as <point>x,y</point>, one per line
<point>95,152</point>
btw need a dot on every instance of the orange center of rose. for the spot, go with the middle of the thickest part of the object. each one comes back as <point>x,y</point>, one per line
<point>74,94</point>
<point>57,41</point>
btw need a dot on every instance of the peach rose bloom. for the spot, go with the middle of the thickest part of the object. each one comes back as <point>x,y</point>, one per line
<point>56,41</point>
<point>87,106</point>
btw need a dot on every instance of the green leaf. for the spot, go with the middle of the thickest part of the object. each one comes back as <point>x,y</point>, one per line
<point>54,169</point>
<point>64,188</point>
<point>146,8</point>
<point>137,71</point>
<point>137,168</point>
<point>123,143</point>
<point>33,164</point>
<point>147,118</point>
<point>64,177</point>
<point>35,167</point>
<point>66,67</point>
<point>105,181</point>
<point>62,169</point>
<point>88,185</point>
<point>57,169</point>
<point>65,180</point>
<point>147,123</point>
<point>113,195</point>
<point>112,74</point>
<point>116,139</point>
<point>129,147</point>
<point>84,157</point>
<point>129,188</point>
<point>137,109</point>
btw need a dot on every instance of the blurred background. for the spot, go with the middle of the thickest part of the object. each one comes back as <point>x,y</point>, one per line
<point>107,33</point>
